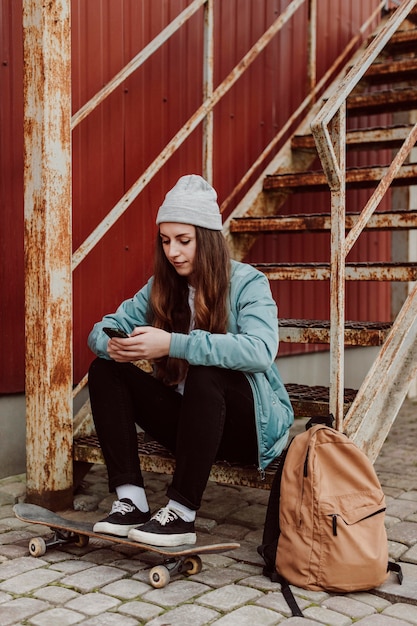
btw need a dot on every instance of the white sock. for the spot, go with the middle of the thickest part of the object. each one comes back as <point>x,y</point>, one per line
<point>188,515</point>
<point>134,493</point>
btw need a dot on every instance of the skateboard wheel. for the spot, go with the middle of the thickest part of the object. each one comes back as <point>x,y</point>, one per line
<point>159,576</point>
<point>82,541</point>
<point>193,565</point>
<point>37,546</point>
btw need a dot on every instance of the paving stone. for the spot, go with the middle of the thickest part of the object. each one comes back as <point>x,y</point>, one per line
<point>104,555</point>
<point>404,532</point>
<point>409,495</point>
<point>92,603</point>
<point>55,594</point>
<point>109,619</point>
<point>140,610</point>
<point>395,592</point>
<point>406,612</point>
<point>369,598</point>
<point>380,620</point>
<point>215,577</point>
<point>250,516</point>
<point>396,550</point>
<point>52,617</point>
<point>187,615</point>
<point>348,606</point>
<point>220,506</point>
<point>410,555</point>
<point>6,498</point>
<point>229,597</point>
<point>20,566</point>
<point>401,508</point>
<point>276,602</point>
<point>126,589</point>
<point>326,616</point>
<point>248,616</point>
<point>15,551</point>
<point>93,578</point>
<point>20,610</point>
<point>178,591</point>
<point>29,581</point>
<point>5,597</point>
<point>71,566</point>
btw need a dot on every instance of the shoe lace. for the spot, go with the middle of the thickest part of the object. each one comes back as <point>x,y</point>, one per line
<point>121,507</point>
<point>165,515</point>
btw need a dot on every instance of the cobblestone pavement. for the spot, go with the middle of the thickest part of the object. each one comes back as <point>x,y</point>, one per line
<point>107,584</point>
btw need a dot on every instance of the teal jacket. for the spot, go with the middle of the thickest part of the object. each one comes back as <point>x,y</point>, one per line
<point>250,345</point>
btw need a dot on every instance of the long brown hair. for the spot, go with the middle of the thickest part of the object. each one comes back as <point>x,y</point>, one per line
<point>169,308</point>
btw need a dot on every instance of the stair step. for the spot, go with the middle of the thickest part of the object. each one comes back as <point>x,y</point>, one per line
<point>402,272</point>
<point>318,331</point>
<point>321,222</point>
<point>356,178</point>
<point>385,72</point>
<point>157,459</point>
<point>402,41</point>
<point>306,402</point>
<point>378,138</point>
<point>312,401</point>
<point>386,101</point>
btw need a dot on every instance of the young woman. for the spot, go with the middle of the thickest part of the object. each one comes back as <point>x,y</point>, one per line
<point>209,326</point>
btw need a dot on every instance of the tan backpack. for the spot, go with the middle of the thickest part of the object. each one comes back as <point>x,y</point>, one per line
<point>331,508</point>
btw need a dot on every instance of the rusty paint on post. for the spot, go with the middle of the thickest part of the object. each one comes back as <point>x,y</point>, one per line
<point>47,192</point>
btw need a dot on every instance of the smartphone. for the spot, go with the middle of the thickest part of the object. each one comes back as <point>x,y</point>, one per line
<point>115,332</point>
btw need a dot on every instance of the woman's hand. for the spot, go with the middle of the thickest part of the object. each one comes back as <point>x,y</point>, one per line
<point>145,342</point>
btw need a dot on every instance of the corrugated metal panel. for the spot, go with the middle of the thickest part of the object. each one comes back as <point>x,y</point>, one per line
<point>116,142</point>
<point>11,198</point>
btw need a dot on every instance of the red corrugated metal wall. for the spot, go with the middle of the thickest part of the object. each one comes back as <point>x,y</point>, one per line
<point>114,145</point>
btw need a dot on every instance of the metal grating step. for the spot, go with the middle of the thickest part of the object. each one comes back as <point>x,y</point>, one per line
<point>403,272</point>
<point>378,138</point>
<point>356,178</point>
<point>321,222</point>
<point>318,331</point>
<point>312,401</point>
<point>306,401</point>
<point>156,458</point>
<point>382,101</point>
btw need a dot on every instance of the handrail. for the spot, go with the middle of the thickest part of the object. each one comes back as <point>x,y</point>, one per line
<point>329,131</point>
<point>189,126</point>
<point>136,62</point>
<point>328,111</point>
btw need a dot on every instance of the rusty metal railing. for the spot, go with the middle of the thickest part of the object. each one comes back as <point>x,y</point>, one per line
<point>203,113</point>
<point>329,130</point>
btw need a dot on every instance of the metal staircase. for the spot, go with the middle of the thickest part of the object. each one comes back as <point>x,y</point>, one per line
<point>365,414</point>
<point>381,78</point>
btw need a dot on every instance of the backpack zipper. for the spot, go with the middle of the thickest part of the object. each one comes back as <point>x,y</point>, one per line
<point>334,517</point>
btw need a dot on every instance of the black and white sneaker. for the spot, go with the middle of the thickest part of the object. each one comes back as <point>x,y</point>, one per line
<point>124,516</point>
<point>165,529</point>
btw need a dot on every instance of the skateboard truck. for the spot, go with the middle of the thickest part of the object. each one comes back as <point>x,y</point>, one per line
<point>38,545</point>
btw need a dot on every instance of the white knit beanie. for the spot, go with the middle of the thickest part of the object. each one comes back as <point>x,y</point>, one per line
<point>191,201</point>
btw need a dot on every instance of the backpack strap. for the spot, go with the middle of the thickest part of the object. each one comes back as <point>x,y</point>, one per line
<point>327,420</point>
<point>288,595</point>
<point>396,568</point>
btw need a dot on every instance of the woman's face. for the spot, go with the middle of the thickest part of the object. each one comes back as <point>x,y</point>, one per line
<point>179,245</point>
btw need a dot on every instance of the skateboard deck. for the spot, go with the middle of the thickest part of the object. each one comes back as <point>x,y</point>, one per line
<point>176,559</point>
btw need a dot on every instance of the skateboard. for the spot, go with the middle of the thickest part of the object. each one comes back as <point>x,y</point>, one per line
<point>183,559</point>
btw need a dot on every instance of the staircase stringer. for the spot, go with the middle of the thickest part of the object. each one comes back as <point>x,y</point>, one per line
<point>385,387</point>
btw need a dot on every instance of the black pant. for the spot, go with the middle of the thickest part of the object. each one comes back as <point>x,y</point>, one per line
<point>214,419</point>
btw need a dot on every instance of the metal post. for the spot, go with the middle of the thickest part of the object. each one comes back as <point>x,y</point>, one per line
<point>208,61</point>
<point>47,193</point>
<point>337,279</point>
